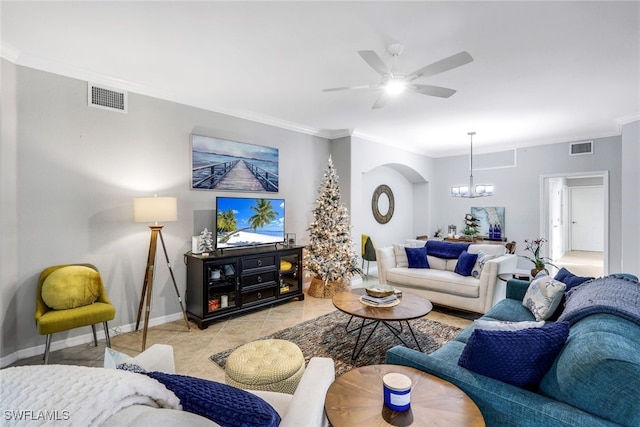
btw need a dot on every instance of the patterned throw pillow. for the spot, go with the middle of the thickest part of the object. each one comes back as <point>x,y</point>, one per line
<point>131,367</point>
<point>158,357</point>
<point>520,358</point>
<point>417,257</point>
<point>543,296</point>
<point>465,264</point>
<point>480,262</point>
<point>221,403</point>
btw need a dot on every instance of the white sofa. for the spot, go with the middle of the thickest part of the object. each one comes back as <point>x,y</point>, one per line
<point>440,284</point>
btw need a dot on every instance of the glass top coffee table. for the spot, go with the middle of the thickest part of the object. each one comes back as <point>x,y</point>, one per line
<point>411,307</point>
<point>355,399</point>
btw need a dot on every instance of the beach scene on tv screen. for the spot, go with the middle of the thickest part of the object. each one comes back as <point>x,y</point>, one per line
<point>248,221</point>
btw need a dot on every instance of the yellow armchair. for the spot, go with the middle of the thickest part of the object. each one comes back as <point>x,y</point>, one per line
<point>78,295</point>
<point>368,252</point>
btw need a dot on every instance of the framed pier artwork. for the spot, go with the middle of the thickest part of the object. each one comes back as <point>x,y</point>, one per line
<point>223,165</point>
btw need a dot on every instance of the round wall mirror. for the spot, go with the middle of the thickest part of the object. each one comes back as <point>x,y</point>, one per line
<point>382,201</point>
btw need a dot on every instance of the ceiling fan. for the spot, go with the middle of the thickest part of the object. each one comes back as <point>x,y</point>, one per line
<point>393,82</point>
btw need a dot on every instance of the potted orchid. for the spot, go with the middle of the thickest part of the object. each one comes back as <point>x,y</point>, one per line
<point>540,262</point>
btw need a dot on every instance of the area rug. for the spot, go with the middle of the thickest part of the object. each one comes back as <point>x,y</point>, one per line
<point>326,336</point>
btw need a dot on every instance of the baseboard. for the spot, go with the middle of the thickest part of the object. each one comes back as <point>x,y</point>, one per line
<point>83,339</point>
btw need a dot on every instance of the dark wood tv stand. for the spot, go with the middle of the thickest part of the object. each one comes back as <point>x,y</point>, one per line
<point>238,280</point>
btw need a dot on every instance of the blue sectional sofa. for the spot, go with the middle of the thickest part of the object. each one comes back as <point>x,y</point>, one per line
<point>594,380</point>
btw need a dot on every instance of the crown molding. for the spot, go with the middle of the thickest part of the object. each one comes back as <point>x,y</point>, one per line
<point>63,69</point>
<point>391,143</point>
<point>9,52</point>
<point>629,118</point>
<point>23,59</point>
<point>18,57</point>
<point>259,118</point>
<point>338,133</point>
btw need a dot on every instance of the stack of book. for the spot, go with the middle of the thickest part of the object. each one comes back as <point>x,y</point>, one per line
<point>379,301</point>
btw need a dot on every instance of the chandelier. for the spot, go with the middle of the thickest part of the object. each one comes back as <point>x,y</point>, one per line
<point>471,192</point>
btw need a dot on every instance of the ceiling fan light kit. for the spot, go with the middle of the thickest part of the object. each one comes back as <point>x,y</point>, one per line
<point>395,86</point>
<point>471,192</point>
<point>394,83</point>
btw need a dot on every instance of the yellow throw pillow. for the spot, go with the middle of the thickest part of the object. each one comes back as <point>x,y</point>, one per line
<point>70,287</point>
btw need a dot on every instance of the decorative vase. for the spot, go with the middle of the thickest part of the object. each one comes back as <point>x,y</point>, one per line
<point>536,270</point>
<point>319,289</point>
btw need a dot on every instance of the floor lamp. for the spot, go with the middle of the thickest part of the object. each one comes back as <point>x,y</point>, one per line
<point>155,209</point>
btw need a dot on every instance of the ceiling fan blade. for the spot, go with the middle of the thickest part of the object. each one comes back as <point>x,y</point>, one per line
<point>440,92</point>
<point>333,89</point>
<point>381,101</point>
<point>441,66</point>
<point>374,61</point>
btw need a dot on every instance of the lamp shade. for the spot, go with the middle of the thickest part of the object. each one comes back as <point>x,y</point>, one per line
<point>155,209</point>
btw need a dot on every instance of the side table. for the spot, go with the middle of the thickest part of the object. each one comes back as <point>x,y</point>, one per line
<point>356,399</point>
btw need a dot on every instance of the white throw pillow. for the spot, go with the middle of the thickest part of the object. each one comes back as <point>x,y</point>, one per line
<point>499,325</point>
<point>437,263</point>
<point>158,357</point>
<point>543,296</point>
<point>401,254</point>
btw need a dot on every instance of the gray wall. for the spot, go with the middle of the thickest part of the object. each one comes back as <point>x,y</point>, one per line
<point>341,158</point>
<point>630,241</point>
<point>518,189</point>
<point>8,211</point>
<point>415,203</point>
<point>401,223</point>
<point>69,176</point>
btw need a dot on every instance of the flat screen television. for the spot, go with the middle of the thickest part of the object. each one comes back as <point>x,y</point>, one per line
<point>242,222</point>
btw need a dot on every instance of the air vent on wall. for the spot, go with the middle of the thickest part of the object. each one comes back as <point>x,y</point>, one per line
<point>579,148</point>
<point>107,98</point>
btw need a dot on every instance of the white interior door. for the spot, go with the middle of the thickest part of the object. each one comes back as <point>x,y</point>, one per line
<point>556,192</point>
<point>587,219</point>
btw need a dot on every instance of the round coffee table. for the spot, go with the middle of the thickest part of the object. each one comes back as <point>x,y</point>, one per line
<point>356,399</point>
<point>411,307</point>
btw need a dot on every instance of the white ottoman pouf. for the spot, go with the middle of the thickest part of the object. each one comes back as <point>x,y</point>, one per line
<point>269,365</point>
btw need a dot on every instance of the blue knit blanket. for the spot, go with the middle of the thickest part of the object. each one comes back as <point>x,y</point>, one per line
<point>446,250</point>
<point>610,294</point>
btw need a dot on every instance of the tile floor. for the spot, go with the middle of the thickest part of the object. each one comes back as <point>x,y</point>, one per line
<point>192,347</point>
<point>582,263</point>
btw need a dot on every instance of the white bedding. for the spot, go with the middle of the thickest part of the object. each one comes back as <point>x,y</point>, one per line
<point>74,395</point>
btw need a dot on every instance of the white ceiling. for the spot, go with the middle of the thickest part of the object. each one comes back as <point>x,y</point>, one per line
<point>543,72</point>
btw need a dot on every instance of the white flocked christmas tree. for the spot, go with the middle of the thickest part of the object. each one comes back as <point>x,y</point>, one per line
<point>330,256</point>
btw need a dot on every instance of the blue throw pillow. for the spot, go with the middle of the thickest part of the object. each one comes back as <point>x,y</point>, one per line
<point>417,257</point>
<point>520,358</point>
<point>570,279</point>
<point>465,263</point>
<point>221,403</point>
